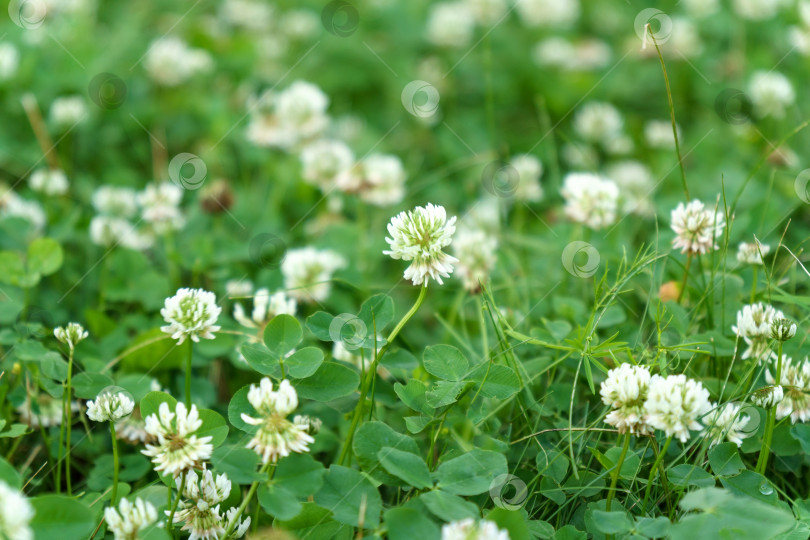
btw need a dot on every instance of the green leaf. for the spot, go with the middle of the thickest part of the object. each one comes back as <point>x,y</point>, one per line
<point>12,270</point>
<point>151,403</point>
<point>653,527</point>
<point>314,523</point>
<point>239,405</point>
<point>44,256</point>
<point>161,354</point>
<point>444,393</point>
<point>9,474</point>
<point>409,524</point>
<point>318,323</point>
<point>471,473</point>
<point>499,382</point>
<point>350,497</point>
<point>301,474</point>
<point>213,425</point>
<point>612,522</point>
<point>553,463</point>
<point>725,460</point>
<point>512,521</point>
<point>282,334</point>
<point>406,466</point>
<point>87,385</point>
<point>238,462</point>
<point>278,501</point>
<point>57,516</point>
<point>413,395</point>
<point>587,485</point>
<point>445,362</point>
<point>372,437</point>
<point>331,381</point>
<point>304,362</point>
<point>377,312</point>
<point>448,507</point>
<point>689,475</point>
<point>261,359</point>
<point>801,432</point>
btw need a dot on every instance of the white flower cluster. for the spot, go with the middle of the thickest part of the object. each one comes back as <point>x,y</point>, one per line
<point>171,62</point>
<point>597,122</point>
<point>675,404</point>
<point>308,273</point>
<point>12,205</point>
<point>9,60</point>
<point>71,335</point>
<point>752,253</point>
<point>67,111</point>
<point>768,397</point>
<point>635,182</point>
<point>130,518</point>
<point>470,529</point>
<point>110,407</point>
<point>795,382</point>
<point>420,235</point>
<point>658,134</point>
<point>288,118</point>
<point>548,13</point>
<point>586,55</point>
<point>726,423</point>
<point>15,514</point>
<point>199,511</point>
<point>771,93</point>
<point>191,313</point>
<point>177,448</point>
<point>696,228</point>
<point>625,390</point>
<point>41,410</point>
<point>160,207</point>
<point>757,10</point>
<point>276,436</point>
<point>475,251</point>
<point>49,182</point>
<point>590,199</point>
<point>754,322</point>
<point>265,307</point>
<point>529,169</point>
<point>378,179</point>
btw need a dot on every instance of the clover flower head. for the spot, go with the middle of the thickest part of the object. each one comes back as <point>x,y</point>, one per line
<point>130,518</point>
<point>71,334</point>
<point>15,514</point>
<point>768,397</point>
<point>265,307</point>
<point>177,448</point>
<point>726,423</point>
<point>308,272</point>
<point>199,509</point>
<point>590,199</point>
<point>470,529</point>
<point>49,181</point>
<point>598,122</point>
<point>625,390</point>
<point>675,405</point>
<point>752,253</point>
<point>782,329</point>
<point>420,235</point>
<point>696,227</point>
<point>475,250</point>
<point>191,313</point>
<point>796,384</point>
<point>110,407</point>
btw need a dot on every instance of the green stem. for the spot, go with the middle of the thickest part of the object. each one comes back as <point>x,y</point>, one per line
<point>754,286</point>
<point>244,504</point>
<point>170,524</point>
<point>369,375</point>
<point>615,480</point>
<point>685,277</point>
<point>67,420</point>
<point>188,375</point>
<point>115,465</point>
<point>767,439</point>
<point>654,469</point>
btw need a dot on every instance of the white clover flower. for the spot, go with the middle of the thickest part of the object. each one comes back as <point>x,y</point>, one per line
<point>379,179</point>
<point>771,93</point>
<point>132,430</point>
<point>12,205</point>
<point>116,201</point>
<point>9,60</point>
<point>768,397</point>
<point>300,23</point>
<point>585,55</point>
<point>308,271</point>
<point>529,170</point>
<point>752,253</point>
<point>419,235</point>
<point>108,231</point>
<point>290,117</point>
<point>49,182</point>
<point>313,424</point>
<point>71,335</point>
<point>675,404</point>
<point>110,407</point>
<point>487,11</point>
<point>470,529</point>
<point>199,511</point>
<point>15,514</point>
<point>635,182</point>
<point>783,329</point>
<point>191,313</point>
<point>249,14</point>
<point>160,206</point>
<point>130,518</point>
<point>598,122</point>
<point>757,10</point>
<point>658,134</point>
<point>726,423</point>
<point>548,13</point>
<point>696,227</point>
<point>236,288</point>
<point>67,111</point>
<point>176,447</point>
<point>276,436</point>
<point>626,389</point>
<point>323,161</point>
<point>171,62</point>
<point>450,24</point>
<point>754,323</point>
<point>41,410</point>
<point>475,252</point>
<point>700,8</point>
<point>590,199</point>
<point>265,307</point>
<point>796,384</point>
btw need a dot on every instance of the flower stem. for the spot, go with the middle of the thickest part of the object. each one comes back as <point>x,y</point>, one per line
<point>244,504</point>
<point>767,438</point>
<point>67,420</point>
<point>615,480</point>
<point>369,376</point>
<point>170,524</point>
<point>754,286</point>
<point>685,277</point>
<point>654,469</point>
<point>115,464</point>
<point>188,374</point>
